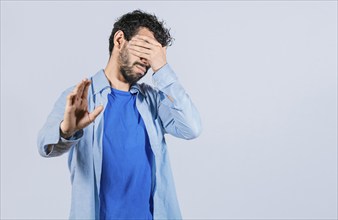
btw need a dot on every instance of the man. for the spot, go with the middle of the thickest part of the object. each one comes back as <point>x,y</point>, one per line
<point>118,158</point>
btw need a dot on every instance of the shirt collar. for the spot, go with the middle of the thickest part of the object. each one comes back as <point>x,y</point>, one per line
<point>100,82</point>
<point>136,88</point>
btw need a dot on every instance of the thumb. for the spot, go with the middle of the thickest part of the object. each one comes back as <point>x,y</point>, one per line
<point>95,112</point>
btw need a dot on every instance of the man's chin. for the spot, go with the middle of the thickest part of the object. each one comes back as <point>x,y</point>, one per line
<point>140,76</point>
<point>133,76</point>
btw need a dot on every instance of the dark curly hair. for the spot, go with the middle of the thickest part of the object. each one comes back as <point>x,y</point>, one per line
<point>132,21</point>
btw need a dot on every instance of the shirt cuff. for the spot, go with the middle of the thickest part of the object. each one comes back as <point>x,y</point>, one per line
<point>77,135</point>
<point>63,145</point>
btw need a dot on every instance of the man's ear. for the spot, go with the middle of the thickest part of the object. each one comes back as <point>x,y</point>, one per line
<point>119,39</point>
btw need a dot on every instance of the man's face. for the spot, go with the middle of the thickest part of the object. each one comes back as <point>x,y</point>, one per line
<point>133,68</point>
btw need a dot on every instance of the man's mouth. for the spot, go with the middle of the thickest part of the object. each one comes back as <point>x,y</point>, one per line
<point>142,68</point>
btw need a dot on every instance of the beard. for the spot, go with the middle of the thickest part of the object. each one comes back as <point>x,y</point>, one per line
<point>126,69</point>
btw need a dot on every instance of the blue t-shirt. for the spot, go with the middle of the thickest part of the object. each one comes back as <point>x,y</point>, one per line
<point>125,191</point>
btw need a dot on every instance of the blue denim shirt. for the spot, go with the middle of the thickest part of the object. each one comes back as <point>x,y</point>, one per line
<point>166,108</point>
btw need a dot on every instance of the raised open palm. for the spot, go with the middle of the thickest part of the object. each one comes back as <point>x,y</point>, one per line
<point>76,116</point>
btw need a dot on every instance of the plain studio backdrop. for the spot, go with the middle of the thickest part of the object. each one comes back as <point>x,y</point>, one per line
<point>263,75</point>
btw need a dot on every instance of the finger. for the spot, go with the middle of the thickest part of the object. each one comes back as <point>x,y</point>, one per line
<point>139,54</point>
<point>85,90</point>
<point>71,99</point>
<point>92,116</point>
<point>141,43</point>
<point>148,39</point>
<point>79,89</point>
<point>139,49</point>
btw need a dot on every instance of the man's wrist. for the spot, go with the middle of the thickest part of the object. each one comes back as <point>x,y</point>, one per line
<point>158,68</point>
<point>64,134</point>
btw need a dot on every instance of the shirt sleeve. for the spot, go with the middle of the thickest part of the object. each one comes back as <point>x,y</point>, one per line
<point>177,112</point>
<point>50,143</point>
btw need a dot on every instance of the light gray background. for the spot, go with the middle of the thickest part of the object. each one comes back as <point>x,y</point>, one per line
<point>263,75</point>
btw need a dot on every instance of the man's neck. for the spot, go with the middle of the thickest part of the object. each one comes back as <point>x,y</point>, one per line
<point>114,76</point>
